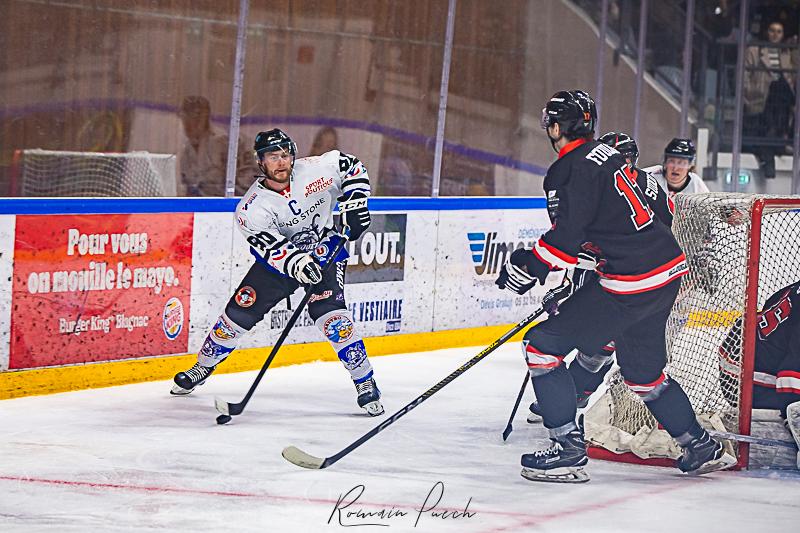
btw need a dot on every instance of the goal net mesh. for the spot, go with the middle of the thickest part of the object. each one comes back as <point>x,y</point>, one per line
<point>57,173</point>
<point>716,231</point>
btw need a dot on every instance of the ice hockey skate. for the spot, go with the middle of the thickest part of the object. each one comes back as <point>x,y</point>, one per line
<point>186,382</point>
<point>369,397</point>
<point>562,462</point>
<point>703,455</point>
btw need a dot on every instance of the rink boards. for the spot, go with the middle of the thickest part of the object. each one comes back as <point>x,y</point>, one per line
<point>100,292</point>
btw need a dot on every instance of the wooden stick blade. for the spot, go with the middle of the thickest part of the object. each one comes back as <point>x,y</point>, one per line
<point>300,458</point>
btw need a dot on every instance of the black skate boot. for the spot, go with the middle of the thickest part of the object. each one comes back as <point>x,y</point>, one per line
<point>562,462</point>
<point>704,454</point>
<point>369,397</point>
<point>185,382</point>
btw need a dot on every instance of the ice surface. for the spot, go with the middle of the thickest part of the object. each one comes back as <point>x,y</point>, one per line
<point>133,458</point>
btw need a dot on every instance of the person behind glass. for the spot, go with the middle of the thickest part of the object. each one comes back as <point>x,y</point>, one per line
<point>768,96</point>
<point>204,156</point>
<point>325,140</point>
<point>676,173</point>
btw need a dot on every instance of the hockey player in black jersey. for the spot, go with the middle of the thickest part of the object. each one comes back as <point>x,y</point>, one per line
<point>589,370</point>
<point>776,365</point>
<point>593,197</point>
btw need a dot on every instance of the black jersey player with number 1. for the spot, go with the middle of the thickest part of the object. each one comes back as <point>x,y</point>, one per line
<point>594,201</point>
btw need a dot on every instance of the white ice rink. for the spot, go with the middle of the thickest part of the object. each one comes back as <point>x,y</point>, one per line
<point>133,458</point>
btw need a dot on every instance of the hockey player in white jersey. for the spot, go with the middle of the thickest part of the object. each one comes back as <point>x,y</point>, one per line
<point>676,173</point>
<point>287,218</point>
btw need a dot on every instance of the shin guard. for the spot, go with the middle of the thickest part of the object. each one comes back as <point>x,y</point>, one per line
<point>339,329</point>
<point>220,342</point>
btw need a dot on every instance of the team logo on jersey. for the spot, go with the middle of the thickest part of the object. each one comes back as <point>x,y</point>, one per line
<point>321,251</point>
<point>318,185</point>
<point>338,328</point>
<point>246,296</point>
<point>321,296</point>
<point>222,330</point>
<point>356,170</point>
<point>249,201</point>
<point>172,318</point>
<point>306,239</point>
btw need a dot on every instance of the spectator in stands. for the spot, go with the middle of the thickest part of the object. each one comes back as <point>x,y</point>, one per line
<point>325,140</point>
<point>768,96</point>
<point>204,156</point>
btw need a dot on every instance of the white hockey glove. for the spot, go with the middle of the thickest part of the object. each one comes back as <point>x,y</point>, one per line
<point>355,214</point>
<point>514,274</point>
<point>306,270</point>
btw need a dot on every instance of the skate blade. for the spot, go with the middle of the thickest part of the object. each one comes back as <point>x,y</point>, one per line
<point>723,463</point>
<point>534,419</point>
<point>556,475</point>
<point>177,390</point>
<point>373,408</point>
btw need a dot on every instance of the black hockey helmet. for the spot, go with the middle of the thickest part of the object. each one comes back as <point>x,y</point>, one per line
<point>682,148</point>
<point>624,144</point>
<point>574,111</point>
<point>274,140</point>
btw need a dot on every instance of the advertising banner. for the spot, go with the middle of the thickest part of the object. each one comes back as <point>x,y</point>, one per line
<point>99,287</point>
<point>473,245</point>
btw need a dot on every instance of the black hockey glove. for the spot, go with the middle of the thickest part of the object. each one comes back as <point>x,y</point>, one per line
<point>555,296</point>
<point>355,214</point>
<point>584,270</point>
<point>514,274</point>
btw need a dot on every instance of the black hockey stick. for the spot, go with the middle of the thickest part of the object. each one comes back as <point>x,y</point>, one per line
<point>305,460</point>
<point>228,410</point>
<point>752,440</point>
<point>509,427</point>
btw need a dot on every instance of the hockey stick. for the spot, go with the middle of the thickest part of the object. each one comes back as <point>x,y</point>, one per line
<point>300,458</point>
<point>752,440</point>
<point>509,427</point>
<point>227,409</point>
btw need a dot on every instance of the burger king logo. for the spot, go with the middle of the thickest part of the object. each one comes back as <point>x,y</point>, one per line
<point>172,318</point>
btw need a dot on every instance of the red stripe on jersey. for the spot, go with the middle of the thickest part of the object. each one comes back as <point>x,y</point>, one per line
<point>788,382</point>
<point>656,278</point>
<point>645,289</point>
<point>552,256</point>
<point>544,365</point>
<point>655,271</point>
<point>570,146</point>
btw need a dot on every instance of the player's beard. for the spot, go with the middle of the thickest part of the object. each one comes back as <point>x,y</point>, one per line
<point>554,141</point>
<point>280,176</point>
